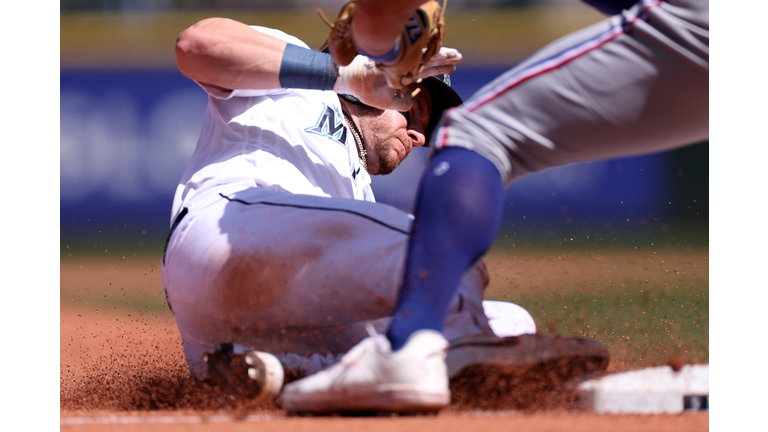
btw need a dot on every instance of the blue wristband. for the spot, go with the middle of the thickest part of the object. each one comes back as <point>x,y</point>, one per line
<point>303,68</point>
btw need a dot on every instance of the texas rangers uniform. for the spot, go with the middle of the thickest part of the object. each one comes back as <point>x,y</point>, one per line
<point>276,241</point>
<point>637,82</point>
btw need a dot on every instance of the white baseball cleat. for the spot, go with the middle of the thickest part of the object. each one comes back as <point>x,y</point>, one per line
<point>372,378</point>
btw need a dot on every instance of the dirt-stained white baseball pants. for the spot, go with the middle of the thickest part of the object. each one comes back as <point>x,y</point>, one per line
<point>301,274</point>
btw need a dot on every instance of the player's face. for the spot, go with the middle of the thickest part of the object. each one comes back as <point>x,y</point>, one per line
<point>390,136</point>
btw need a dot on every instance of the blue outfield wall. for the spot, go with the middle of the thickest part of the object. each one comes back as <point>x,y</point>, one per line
<point>126,136</point>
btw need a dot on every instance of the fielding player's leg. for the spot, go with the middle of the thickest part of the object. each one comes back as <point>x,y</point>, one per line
<point>635,83</point>
<point>439,253</point>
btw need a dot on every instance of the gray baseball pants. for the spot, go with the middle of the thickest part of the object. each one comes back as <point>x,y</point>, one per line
<point>632,84</point>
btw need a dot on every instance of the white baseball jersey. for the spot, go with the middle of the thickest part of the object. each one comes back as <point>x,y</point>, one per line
<point>282,140</point>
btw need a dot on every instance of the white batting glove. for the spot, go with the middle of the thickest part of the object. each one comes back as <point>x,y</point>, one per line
<point>363,80</point>
<point>444,62</point>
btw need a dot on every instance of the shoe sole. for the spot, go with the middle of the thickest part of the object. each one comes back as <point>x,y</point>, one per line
<point>266,370</point>
<point>399,400</point>
<point>523,372</point>
<point>244,375</point>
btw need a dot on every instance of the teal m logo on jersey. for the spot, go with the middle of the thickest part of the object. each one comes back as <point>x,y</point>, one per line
<point>328,126</point>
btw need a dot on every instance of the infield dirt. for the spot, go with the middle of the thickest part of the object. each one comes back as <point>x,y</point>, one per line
<point>121,352</point>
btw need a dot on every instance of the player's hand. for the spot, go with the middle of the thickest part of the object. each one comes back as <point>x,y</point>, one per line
<point>444,62</point>
<point>365,81</point>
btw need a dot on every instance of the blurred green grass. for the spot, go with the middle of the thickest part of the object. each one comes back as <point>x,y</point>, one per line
<point>639,329</point>
<point>112,283</point>
<point>645,300</point>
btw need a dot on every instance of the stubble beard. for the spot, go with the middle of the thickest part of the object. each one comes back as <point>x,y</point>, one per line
<point>386,159</point>
<point>382,159</point>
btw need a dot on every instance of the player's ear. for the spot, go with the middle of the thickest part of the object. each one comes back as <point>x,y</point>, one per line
<point>418,137</point>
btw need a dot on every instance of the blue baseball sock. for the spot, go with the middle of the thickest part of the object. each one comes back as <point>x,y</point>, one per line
<point>458,212</point>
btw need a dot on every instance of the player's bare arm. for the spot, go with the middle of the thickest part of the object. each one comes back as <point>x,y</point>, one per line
<point>229,55</point>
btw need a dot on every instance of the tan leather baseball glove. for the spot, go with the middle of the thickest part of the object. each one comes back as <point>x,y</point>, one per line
<point>421,39</point>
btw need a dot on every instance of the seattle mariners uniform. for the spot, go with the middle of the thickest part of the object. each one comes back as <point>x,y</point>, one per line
<point>635,83</point>
<point>277,243</point>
